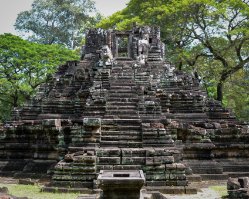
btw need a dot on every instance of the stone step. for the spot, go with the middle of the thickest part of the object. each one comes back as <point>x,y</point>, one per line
<point>95,108</point>
<point>190,116</point>
<point>121,128</point>
<point>130,144</point>
<point>123,91</point>
<point>68,190</point>
<point>122,83</point>
<point>185,111</point>
<point>154,49</point>
<point>122,112</point>
<point>171,189</point>
<point>154,54</point>
<point>155,62</point>
<point>237,174</point>
<point>157,141</point>
<point>121,121</point>
<point>207,177</point>
<point>121,116</point>
<point>151,117</point>
<point>125,78</point>
<point>127,88</point>
<point>120,103</point>
<point>93,113</point>
<point>123,99</point>
<point>122,95</point>
<point>194,178</point>
<point>120,137</point>
<point>134,107</point>
<point>145,78</point>
<point>117,133</point>
<point>154,59</point>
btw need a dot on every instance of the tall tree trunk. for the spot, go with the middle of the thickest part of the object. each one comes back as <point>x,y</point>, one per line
<point>220,91</point>
<point>15,99</point>
<point>180,66</point>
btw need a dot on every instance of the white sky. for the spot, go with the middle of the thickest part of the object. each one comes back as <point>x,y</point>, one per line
<point>10,8</point>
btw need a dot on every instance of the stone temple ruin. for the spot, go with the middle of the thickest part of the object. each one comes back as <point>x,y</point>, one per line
<point>123,107</point>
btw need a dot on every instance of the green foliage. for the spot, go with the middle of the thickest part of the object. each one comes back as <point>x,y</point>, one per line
<point>34,192</point>
<point>221,190</point>
<point>236,94</point>
<point>23,67</point>
<point>57,21</point>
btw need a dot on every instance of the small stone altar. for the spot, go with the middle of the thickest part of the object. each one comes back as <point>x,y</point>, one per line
<point>123,107</point>
<point>121,184</point>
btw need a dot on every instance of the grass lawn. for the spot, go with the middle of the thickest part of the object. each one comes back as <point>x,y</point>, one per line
<point>33,192</point>
<point>221,190</point>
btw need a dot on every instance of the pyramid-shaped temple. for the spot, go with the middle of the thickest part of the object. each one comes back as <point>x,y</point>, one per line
<point>123,107</point>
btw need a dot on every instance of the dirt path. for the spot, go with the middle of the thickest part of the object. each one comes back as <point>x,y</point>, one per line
<point>204,191</point>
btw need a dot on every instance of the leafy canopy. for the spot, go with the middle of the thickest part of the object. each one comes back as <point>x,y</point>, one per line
<point>57,21</point>
<point>24,66</point>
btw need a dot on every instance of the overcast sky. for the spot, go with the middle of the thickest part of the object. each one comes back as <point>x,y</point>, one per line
<point>10,8</point>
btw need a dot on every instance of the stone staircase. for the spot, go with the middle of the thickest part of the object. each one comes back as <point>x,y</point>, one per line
<point>121,126</point>
<point>154,54</point>
<point>121,133</point>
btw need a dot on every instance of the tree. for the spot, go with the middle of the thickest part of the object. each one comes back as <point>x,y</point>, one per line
<point>236,94</point>
<point>221,28</point>
<point>215,31</point>
<point>57,21</point>
<point>24,66</point>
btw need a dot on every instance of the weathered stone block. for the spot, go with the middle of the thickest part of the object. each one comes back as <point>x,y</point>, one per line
<point>167,159</point>
<point>87,159</point>
<point>155,177</point>
<point>157,160</point>
<point>155,183</point>
<point>159,168</point>
<point>92,122</point>
<point>133,160</point>
<point>244,182</point>
<point>104,167</point>
<point>108,160</point>
<point>149,161</point>
<point>108,152</point>
<point>233,184</point>
<point>170,167</point>
<point>150,152</point>
<point>181,182</point>
<point>133,152</point>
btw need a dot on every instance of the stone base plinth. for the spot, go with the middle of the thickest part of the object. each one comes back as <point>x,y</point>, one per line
<point>121,184</point>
